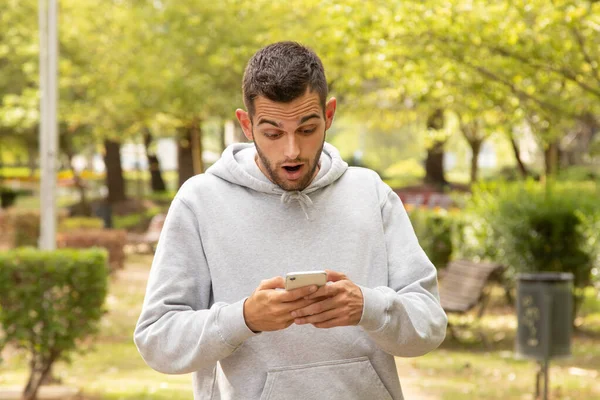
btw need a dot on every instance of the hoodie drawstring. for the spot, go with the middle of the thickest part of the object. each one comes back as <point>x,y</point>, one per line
<point>302,198</point>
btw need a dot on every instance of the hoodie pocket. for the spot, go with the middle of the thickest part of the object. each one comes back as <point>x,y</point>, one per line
<point>344,379</point>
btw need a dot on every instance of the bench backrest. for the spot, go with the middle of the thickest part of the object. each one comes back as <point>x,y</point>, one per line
<point>463,282</point>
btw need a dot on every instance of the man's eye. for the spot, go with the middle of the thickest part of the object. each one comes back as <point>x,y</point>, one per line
<point>308,131</point>
<point>272,135</point>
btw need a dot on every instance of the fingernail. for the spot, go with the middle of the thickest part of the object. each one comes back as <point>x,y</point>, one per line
<point>294,314</point>
<point>313,289</point>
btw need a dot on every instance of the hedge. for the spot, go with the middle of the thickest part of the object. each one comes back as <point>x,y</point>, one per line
<point>50,301</point>
<point>113,240</point>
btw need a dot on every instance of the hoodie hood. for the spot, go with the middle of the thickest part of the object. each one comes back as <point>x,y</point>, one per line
<point>237,165</point>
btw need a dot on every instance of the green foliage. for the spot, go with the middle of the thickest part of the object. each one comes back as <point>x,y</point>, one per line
<point>50,302</point>
<point>580,173</point>
<point>26,228</point>
<point>69,224</point>
<point>434,229</point>
<point>136,221</point>
<point>531,227</point>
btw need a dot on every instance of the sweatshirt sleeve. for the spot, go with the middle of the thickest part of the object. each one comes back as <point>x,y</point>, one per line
<point>178,330</point>
<point>405,318</point>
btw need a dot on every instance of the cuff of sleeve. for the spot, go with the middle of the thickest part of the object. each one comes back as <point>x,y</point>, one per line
<point>233,325</point>
<point>374,313</point>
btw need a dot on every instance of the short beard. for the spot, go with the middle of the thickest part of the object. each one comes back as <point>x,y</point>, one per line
<point>295,186</point>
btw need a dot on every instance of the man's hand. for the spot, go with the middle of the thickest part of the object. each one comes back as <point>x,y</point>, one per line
<point>339,304</point>
<point>268,309</point>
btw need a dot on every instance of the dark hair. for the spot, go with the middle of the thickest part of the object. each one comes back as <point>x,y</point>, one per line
<point>282,72</point>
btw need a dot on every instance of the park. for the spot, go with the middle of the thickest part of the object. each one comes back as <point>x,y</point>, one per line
<point>483,117</point>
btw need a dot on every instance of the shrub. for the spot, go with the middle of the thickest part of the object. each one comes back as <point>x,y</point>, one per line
<point>434,229</point>
<point>78,223</point>
<point>7,236</point>
<point>110,239</point>
<point>136,221</point>
<point>50,301</point>
<point>531,227</point>
<point>25,226</point>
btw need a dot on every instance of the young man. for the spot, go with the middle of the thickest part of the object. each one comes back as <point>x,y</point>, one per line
<point>215,304</point>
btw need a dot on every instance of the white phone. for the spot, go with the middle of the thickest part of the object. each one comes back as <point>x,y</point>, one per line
<point>294,280</point>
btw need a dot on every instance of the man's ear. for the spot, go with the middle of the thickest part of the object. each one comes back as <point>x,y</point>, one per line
<point>330,112</point>
<point>245,123</point>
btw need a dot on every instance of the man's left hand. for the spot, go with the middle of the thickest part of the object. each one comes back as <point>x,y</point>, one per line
<point>341,304</point>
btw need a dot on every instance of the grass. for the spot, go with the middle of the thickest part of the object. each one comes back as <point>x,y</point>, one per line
<point>112,368</point>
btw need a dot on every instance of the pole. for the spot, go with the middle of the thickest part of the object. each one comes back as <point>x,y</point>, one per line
<point>48,10</point>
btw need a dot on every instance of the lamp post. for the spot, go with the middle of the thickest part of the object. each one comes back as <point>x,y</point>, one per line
<point>48,18</point>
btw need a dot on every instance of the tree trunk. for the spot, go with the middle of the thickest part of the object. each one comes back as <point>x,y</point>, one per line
<point>472,133</point>
<point>66,145</point>
<point>551,159</point>
<point>434,164</point>
<point>114,172</point>
<point>156,180</point>
<point>517,153</point>
<point>38,372</point>
<point>475,149</point>
<point>189,151</point>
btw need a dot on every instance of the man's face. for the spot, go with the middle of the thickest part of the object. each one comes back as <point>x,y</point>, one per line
<point>289,138</point>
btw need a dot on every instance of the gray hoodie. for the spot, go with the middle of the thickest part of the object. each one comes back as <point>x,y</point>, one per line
<point>230,228</point>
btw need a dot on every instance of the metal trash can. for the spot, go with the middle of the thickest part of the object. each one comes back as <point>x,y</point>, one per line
<point>544,315</point>
<point>104,211</point>
<point>544,320</point>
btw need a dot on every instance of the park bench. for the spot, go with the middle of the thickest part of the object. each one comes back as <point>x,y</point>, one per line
<point>464,285</point>
<point>148,239</point>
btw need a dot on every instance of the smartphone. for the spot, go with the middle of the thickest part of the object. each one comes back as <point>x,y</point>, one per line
<point>294,280</point>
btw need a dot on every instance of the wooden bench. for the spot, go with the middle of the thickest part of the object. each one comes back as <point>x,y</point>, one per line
<point>464,285</point>
<point>149,239</point>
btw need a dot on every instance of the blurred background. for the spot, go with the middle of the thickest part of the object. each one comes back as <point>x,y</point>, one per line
<point>482,115</point>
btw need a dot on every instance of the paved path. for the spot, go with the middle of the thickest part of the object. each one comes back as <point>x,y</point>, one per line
<point>45,393</point>
<point>409,379</point>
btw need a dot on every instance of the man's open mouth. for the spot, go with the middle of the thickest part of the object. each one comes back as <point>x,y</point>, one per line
<point>293,168</point>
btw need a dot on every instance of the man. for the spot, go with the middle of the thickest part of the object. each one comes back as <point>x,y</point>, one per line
<point>215,304</point>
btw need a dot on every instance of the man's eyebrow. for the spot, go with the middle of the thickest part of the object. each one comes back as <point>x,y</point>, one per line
<point>268,121</point>
<point>311,116</point>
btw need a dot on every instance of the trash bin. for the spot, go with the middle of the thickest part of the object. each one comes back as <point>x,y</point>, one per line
<point>104,211</point>
<point>544,315</point>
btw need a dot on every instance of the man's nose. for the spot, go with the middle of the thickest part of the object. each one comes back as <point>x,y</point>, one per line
<point>292,148</point>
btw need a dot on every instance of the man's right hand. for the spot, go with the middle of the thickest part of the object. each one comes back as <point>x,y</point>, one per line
<point>268,309</point>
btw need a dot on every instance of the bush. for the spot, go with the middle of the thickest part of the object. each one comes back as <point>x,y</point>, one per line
<point>50,301</point>
<point>532,228</point>
<point>25,227</point>
<point>6,230</point>
<point>136,221</point>
<point>110,239</point>
<point>79,223</point>
<point>434,229</point>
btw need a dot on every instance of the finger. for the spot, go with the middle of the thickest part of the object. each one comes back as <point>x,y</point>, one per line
<point>274,283</point>
<point>289,307</point>
<point>334,276</point>
<point>315,308</point>
<point>325,291</point>
<point>318,318</point>
<point>332,323</point>
<point>295,294</point>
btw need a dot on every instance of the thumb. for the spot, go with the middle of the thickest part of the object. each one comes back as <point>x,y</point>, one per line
<point>274,283</point>
<point>334,276</point>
